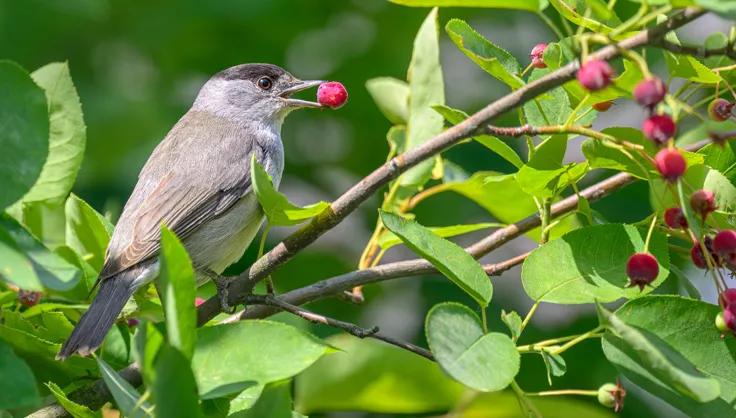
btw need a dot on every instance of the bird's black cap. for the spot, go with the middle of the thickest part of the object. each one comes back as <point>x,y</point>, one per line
<point>251,72</point>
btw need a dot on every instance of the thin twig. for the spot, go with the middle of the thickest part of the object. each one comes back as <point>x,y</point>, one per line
<point>697,51</point>
<point>345,326</point>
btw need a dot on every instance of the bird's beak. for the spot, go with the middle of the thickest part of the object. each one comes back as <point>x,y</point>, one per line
<point>296,87</point>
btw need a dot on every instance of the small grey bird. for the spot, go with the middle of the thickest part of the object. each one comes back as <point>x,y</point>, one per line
<point>197,183</point>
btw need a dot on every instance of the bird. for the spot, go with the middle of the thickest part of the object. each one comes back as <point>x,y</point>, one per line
<point>197,183</point>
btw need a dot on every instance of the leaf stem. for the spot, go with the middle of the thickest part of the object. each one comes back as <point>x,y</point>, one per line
<point>649,233</point>
<point>528,316</point>
<point>578,339</point>
<point>484,319</point>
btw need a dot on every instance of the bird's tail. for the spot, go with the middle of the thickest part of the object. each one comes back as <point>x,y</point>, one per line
<point>96,322</point>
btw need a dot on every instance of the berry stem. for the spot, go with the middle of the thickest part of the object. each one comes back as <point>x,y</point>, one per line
<point>649,233</point>
<point>551,24</point>
<point>579,338</point>
<point>564,392</point>
<point>528,317</point>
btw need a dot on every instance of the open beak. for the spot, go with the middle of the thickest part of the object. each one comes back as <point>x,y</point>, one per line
<point>298,86</point>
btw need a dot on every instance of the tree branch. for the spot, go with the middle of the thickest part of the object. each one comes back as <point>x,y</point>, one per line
<point>696,51</point>
<point>351,199</point>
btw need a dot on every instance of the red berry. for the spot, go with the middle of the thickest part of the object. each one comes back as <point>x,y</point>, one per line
<point>332,94</point>
<point>650,92</point>
<point>595,75</point>
<point>603,106</point>
<point>198,301</point>
<point>537,55</point>
<point>720,109</point>
<point>670,164</point>
<point>725,241</point>
<point>674,218</point>
<point>29,297</point>
<point>703,202</point>
<point>729,316</point>
<point>659,128</point>
<point>642,269</point>
<point>727,297</point>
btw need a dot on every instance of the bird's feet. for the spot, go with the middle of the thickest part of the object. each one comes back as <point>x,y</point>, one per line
<point>222,284</point>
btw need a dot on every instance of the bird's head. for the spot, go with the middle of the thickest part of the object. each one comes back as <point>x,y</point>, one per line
<point>259,92</point>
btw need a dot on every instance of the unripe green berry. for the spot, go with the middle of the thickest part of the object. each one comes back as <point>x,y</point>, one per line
<point>721,323</point>
<point>605,395</point>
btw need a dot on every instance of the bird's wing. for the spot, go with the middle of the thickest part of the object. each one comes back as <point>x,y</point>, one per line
<point>182,187</point>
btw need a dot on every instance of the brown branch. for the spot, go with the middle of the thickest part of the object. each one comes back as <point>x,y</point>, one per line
<point>696,51</point>
<point>473,125</point>
<point>96,394</point>
<point>345,326</point>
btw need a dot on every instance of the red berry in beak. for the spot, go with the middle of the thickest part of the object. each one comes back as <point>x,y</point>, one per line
<point>537,55</point>
<point>703,202</point>
<point>670,164</point>
<point>720,109</point>
<point>29,297</point>
<point>650,92</point>
<point>595,75</point>
<point>603,106</point>
<point>198,301</point>
<point>332,94</point>
<point>642,269</point>
<point>659,128</point>
<point>674,218</point>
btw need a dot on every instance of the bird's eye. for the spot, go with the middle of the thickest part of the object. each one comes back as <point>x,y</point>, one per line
<point>265,83</point>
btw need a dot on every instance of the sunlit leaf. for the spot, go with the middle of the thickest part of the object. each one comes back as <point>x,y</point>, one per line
<point>392,98</point>
<point>179,289</point>
<point>87,232</point>
<point>530,5</point>
<point>449,258</point>
<point>126,397</point>
<point>388,239</point>
<point>74,409</point>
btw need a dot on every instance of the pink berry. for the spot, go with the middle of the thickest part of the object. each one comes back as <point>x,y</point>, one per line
<point>642,269</point>
<point>537,55</point>
<point>703,202</point>
<point>198,301</point>
<point>595,75</point>
<point>603,106</point>
<point>659,128</point>
<point>670,164</point>
<point>29,297</point>
<point>729,317</point>
<point>674,218</point>
<point>696,254</point>
<point>332,94</point>
<point>650,92</point>
<point>720,109</point>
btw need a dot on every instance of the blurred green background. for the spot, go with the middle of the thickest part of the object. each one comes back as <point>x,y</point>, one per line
<point>138,66</point>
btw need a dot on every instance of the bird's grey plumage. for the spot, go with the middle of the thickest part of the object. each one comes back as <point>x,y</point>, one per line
<point>197,183</point>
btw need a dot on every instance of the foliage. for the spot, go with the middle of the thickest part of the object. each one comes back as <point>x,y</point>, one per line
<point>53,244</point>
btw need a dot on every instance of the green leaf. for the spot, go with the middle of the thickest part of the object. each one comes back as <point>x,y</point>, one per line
<point>174,389</point>
<point>67,135</point>
<point>688,328</point>
<point>513,321</point>
<point>555,365</point>
<point>126,397</point>
<point>247,398</point>
<point>484,362</point>
<point>455,116</point>
<point>552,108</point>
<point>179,290</point>
<point>570,13</point>
<point>371,376</point>
<point>25,132</point>
<point>530,5</point>
<point>726,9</point>
<point>505,405</point>
<point>449,258</point>
<point>274,402</point>
<point>426,89</point>
<point>45,220</point>
<point>590,264</point>
<point>266,352</point>
<point>388,239</point>
<point>74,409</point>
<point>392,98</point>
<point>28,264</point>
<point>87,232</point>
<point>494,60</point>
<point>279,211</point>
<point>18,387</point>
<point>659,359</point>
<point>148,342</point>
<point>544,176</point>
<point>685,66</point>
